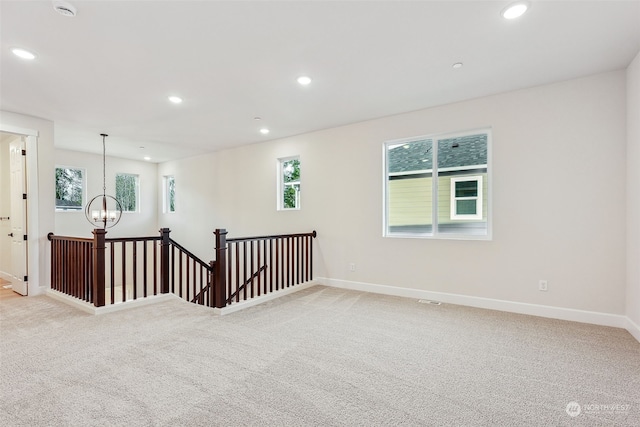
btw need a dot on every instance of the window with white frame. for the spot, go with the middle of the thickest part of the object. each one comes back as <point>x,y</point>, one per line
<point>289,183</point>
<point>70,188</point>
<point>466,197</point>
<point>169,194</point>
<point>437,186</point>
<point>127,191</point>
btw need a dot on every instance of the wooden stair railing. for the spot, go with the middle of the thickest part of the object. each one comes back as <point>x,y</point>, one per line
<point>107,271</point>
<point>111,270</point>
<point>194,276</point>
<point>248,267</point>
<point>244,285</point>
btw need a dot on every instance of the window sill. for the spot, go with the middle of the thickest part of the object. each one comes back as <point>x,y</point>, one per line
<point>471,237</point>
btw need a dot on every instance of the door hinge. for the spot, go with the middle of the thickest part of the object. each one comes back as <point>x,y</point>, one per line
<point>24,152</point>
<point>25,237</point>
<point>24,196</point>
<point>25,278</point>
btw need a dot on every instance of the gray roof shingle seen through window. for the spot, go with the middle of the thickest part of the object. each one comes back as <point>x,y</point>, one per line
<point>452,152</point>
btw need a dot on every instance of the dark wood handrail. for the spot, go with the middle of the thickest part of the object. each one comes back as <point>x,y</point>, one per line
<point>51,237</point>
<point>133,239</point>
<point>275,236</point>
<point>190,254</point>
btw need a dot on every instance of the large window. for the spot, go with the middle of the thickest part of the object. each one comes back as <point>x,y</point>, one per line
<point>127,191</point>
<point>169,194</point>
<point>70,189</point>
<point>289,183</point>
<point>438,186</point>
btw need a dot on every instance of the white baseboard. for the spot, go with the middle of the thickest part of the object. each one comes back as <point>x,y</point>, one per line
<point>5,276</point>
<point>583,316</point>
<point>88,308</point>
<point>633,328</point>
<point>261,299</point>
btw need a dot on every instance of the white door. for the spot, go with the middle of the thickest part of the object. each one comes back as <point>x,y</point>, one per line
<point>17,163</point>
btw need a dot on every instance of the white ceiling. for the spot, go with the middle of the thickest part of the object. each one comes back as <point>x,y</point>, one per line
<point>111,68</point>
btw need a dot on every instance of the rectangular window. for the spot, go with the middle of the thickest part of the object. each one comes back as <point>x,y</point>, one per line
<point>169,197</point>
<point>437,186</point>
<point>70,189</point>
<point>127,191</point>
<point>289,183</point>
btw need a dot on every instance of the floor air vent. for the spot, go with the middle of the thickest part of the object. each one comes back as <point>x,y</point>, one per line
<point>428,301</point>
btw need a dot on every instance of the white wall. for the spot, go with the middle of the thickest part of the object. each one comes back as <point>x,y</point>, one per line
<point>198,209</point>
<point>558,198</point>
<point>633,193</point>
<point>142,223</point>
<point>39,273</point>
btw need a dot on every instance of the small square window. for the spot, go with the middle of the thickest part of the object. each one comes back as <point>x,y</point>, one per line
<point>70,189</point>
<point>127,191</point>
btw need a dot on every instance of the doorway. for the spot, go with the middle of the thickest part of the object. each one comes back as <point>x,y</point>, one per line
<point>13,215</point>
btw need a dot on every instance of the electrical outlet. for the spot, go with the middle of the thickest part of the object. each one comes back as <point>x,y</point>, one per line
<point>352,266</point>
<point>542,285</point>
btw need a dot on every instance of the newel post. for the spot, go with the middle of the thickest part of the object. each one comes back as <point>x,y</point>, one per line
<point>219,295</point>
<point>98,266</point>
<point>164,260</point>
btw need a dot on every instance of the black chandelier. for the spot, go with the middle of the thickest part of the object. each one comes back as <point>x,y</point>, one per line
<point>103,211</point>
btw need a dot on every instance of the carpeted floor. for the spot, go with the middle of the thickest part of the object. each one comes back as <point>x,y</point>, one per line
<point>320,357</point>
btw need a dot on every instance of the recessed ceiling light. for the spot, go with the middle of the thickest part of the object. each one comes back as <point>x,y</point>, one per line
<point>264,131</point>
<point>64,8</point>
<point>515,10</point>
<point>147,158</point>
<point>175,99</point>
<point>304,80</point>
<point>257,118</point>
<point>22,53</point>
<point>457,65</point>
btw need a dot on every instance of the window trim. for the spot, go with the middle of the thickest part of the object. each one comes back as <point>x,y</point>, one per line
<point>454,199</point>
<point>281,185</point>
<point>137,190</point>
<point>435,233</point>
<point>84,190</point>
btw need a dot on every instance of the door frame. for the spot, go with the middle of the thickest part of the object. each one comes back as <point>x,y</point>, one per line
<point>33,234</point>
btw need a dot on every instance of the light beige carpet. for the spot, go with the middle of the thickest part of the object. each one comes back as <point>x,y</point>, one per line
<point>320,357</point>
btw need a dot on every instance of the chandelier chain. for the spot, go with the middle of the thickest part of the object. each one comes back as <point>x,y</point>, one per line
<point>104,165</point>
<point>102,215</point>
